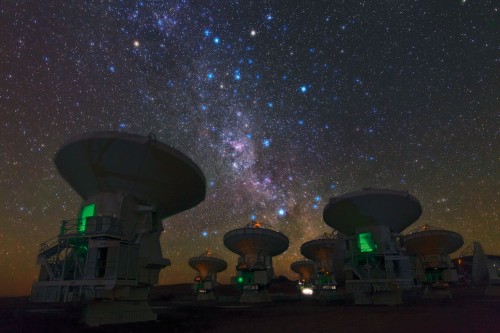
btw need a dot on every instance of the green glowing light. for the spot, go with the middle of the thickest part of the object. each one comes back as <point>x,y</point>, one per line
<point>366,242</point>
<point>240,279</point>
<point>87,211</point>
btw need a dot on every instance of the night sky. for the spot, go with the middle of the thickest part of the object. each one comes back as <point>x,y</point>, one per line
<point>282,104</point>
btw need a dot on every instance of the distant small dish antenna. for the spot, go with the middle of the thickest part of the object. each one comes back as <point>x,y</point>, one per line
<point>328,252</point>
<point>479,264</point>
<point>256,244</point>
<point>207,265</point>
<point>431,247</point>
<point>306,269</point>
<point>483,270</point>
<point>473,264</point>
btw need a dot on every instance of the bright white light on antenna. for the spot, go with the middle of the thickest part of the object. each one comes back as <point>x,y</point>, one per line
<point>307,291</point>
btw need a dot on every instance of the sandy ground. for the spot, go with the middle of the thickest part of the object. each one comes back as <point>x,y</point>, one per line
<point>468,311</point>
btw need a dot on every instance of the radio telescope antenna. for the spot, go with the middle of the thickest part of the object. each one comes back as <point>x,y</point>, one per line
<point>328,252</point>
<point>110,255</point>
<point>207,265</point>
<point>377,270</point>
<point>256,244</point>
<point>431,247</point>
<point>306,269</point>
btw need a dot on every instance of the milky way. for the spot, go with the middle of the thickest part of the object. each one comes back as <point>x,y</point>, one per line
<point>283,104</point>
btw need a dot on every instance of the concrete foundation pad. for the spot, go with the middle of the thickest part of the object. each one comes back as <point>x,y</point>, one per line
<point>432,293</point>
<point>378,298</point>
<point>331,296</point>
<point>255,296</point>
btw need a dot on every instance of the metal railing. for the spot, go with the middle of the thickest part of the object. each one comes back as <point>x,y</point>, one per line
<point>376,285</point>
<point>92,226</point>
<point>49,244</point>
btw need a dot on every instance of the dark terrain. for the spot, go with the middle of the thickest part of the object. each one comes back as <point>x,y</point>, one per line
<point>178,311</point>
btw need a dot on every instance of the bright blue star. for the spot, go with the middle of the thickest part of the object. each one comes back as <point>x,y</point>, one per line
<point>303,89</point>
<point>204,107</point>
<point>266,143</point>
<point>237,75</point>
<point>204,234</point>
<point>216,40</point>
<point>270,104</point>
<point>210,76</point>
<point>281,212</point>
<point>122,125</point>
<point>253,217</point>
<point>112,68</point>
<point>207,32</point>
<point>317,198</point>
<point>315,206</point>
<point>269,17</point>
<point>301,122</point>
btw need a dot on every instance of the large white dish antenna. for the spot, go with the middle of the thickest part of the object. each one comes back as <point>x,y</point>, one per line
<point>394,209</point>
<point>121,162</point>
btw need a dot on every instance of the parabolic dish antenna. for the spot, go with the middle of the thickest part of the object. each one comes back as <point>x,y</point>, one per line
<point>473,264</point>
<point>111,255</point>
<point>206,264</point>
<point>319,249</point>
<point>429,240</point>
<point>305,268</point>
<point>394,209</point>
<point>150,170</point>
<point>256,239</point>
<point>479,264</point>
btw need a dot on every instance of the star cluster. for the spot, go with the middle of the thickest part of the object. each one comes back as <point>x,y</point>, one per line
<point>283,104</point>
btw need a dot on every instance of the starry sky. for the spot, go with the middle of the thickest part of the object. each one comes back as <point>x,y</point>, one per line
<point>282,104</point>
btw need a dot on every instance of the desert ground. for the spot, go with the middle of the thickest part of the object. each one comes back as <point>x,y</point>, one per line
<point>178,311</point>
